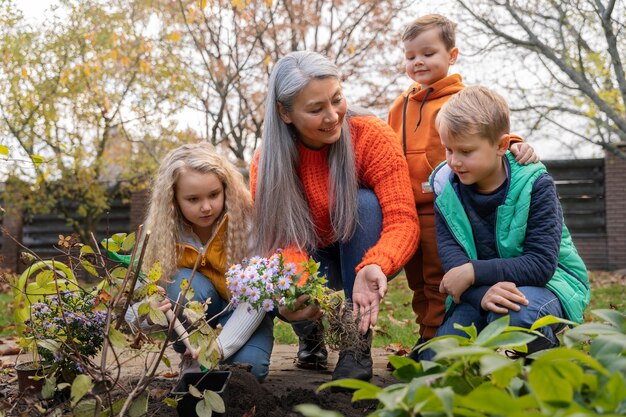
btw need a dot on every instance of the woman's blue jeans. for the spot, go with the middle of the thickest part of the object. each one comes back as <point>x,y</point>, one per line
<point>339,260</point>
<point>541,302</point>
<point>258,348</point>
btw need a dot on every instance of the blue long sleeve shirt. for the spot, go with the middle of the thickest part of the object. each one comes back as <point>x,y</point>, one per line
<point>537,264</point>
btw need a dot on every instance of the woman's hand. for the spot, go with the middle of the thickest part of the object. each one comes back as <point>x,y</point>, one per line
<point>524,153</point>
<point>457,280</point>
<point>299,312</point>
<point>502,298</point>
<point>370,286</point>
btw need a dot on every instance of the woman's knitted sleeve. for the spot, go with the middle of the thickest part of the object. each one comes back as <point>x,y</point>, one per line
<point>381,166</point>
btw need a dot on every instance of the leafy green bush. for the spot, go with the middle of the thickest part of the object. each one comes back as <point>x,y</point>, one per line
<point>471,377</point>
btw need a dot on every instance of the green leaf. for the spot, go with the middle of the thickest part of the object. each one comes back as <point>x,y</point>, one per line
<point>493,329</point>
<point>37,159</point>
<point>89,267</point>
<point>44,278</point>
<point>166,361</point>
<point>49,386</point>
<point>128,242</point>
<point>347,383</point>
<point>158,317</point>
<point>143,309</point>
<point>509,339</point>
<point>614,317</point>
<point>118,238</point>
<point>117,338</point>
<point>139,406</point>
<point>612,394</point>
<point>446,396</point>
<point>549,320</point>
<point>203,408</point>
<point>215,401</point>
<point>489,399</point>
<point>470,330</point>
<point>119,272</point>
<point>4,150</point>
<point>117,407</point>
<point>86,408</point>
<point>81,386</point>
<point>549,385</point>
<point>312,410</point>
<point>110,245</point>
<point>170,401</point>
<point>86,249</point>
<point>194,391</point>
<point>155,272</point>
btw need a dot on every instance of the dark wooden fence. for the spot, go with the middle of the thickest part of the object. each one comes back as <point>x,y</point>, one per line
<point>580,185</point>
<point>592,194</point>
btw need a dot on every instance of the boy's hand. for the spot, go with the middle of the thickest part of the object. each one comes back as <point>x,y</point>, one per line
<point>370,286</point>
<point>524,153</point>
<point>502,298</point>
<point>457,280</point>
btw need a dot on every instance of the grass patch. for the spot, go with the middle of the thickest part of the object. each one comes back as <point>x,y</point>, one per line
<point>6,319</point>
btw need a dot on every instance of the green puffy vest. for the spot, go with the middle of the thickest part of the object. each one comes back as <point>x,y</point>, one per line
<point>570,282</point>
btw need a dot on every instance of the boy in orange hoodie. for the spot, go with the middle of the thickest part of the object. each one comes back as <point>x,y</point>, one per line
<point>429,49</point>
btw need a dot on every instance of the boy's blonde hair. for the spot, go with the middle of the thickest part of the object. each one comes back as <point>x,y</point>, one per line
<point>447,29</point>
<point>475,111</point>
<point>164,218</point>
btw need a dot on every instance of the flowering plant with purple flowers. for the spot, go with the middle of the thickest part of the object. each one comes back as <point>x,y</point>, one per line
<point>67,328</point>
<point>266,283</point>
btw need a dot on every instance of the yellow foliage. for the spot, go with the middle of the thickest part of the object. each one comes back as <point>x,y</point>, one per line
<point>203,4</point>
<point>114,54</point>
<point>351,49</point>
<point>191,14</point>
<point>24,72</point>
<point>144,66</point>
<point>268,3</point>
<point>266,61</point>
<point>124,61</point>
<point>238,4</point>
<point>175,36</point>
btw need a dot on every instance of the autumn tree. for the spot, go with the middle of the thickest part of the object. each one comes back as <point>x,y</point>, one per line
<point>563,61</point>
<point>228,48</point>
<point>88,99</point>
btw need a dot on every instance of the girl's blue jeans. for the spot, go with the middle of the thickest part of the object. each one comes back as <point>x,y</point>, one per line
<point>339,260</point>
<point>256,351</point>
<point>541,302</point>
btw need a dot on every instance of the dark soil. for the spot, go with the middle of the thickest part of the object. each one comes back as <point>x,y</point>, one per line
<point>244,397</point>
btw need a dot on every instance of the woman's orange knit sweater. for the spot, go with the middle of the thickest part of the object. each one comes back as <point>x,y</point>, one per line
<point>382,168</point>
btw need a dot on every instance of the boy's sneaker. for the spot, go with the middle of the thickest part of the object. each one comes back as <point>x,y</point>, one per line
<point>356,364</point>
<point>312,353</point>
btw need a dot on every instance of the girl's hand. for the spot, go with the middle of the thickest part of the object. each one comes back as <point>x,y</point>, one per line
<point>457,280</point>
<point>524,153</point>
<point>502,298</point>
<point>370,286</point>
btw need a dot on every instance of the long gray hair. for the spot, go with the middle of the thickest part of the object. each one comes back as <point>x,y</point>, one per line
<point>283,216</point>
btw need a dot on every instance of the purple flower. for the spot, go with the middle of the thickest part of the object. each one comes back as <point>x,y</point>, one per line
<point>268,304</point>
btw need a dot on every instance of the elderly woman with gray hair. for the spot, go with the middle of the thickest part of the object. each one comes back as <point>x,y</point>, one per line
<point>332,184</point>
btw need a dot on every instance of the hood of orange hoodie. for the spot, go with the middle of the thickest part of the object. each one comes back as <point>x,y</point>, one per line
<point>446,86</point>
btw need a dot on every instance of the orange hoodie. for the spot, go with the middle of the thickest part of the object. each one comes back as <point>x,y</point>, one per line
<point>421,144</point>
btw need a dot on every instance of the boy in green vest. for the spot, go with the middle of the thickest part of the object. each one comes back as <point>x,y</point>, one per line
<point>500,231</point>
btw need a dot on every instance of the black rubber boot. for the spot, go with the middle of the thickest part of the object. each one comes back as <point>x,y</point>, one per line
<point>312,353</point>
<point>356,363</point>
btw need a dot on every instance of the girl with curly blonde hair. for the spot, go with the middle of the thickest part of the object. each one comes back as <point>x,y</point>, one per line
<point>200,206</point>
